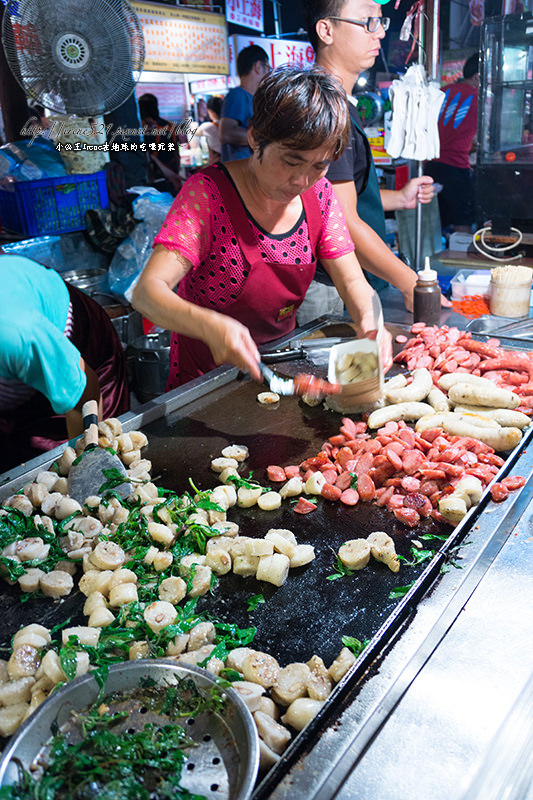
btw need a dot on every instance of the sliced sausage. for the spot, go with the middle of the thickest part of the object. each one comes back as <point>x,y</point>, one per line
<point>366,488</point>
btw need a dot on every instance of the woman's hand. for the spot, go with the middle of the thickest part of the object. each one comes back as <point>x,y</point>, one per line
<point>231,342</point>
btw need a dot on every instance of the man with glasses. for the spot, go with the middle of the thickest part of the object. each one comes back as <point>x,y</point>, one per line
<point>346,36</point>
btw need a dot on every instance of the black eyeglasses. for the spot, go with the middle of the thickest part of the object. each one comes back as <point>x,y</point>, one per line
<point>370,23</point>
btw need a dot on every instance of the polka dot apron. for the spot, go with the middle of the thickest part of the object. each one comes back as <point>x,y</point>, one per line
<point>270,296</point>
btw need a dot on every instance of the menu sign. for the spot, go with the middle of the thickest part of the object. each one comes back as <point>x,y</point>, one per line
<point>183,39</point>
<point>248,13</point>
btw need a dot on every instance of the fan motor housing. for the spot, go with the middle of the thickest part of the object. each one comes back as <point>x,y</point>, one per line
<point>72,51</point>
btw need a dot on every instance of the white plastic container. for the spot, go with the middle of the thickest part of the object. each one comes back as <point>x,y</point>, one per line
<point>470,281</point>
<point>510,291</point>
<point>361,395</point>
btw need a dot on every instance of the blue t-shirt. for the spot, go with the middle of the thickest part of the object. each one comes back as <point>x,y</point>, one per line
<point>34,350</point>
<point>238,105</point>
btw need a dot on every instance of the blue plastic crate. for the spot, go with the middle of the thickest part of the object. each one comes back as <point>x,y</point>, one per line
<point>52,205</point>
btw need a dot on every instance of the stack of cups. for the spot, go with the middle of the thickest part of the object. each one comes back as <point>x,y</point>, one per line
<point>510,291</point>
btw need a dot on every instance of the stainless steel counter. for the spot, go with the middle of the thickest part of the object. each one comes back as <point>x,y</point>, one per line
<point>420,721</point>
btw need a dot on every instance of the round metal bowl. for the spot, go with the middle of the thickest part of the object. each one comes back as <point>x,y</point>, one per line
<point>90,281</point>
<point>223,765</point>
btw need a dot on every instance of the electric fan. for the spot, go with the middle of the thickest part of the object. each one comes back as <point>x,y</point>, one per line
<point>71,57</point>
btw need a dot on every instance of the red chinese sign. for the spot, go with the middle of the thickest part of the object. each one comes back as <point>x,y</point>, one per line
<point>279,51</point>
<point>248,13</point>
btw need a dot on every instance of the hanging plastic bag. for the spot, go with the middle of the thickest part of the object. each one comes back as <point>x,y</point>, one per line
<point>131,256</point>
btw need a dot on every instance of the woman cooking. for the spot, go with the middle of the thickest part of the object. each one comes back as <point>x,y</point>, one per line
<point>242,239</point>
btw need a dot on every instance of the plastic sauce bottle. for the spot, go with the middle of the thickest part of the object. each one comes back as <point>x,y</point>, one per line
<point>427,296</point>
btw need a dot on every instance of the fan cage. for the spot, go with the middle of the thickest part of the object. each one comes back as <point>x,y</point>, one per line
<point>71,63</point>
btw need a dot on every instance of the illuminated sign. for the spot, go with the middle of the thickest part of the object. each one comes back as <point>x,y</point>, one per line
<point>183,39</point>
<point>248,13</point>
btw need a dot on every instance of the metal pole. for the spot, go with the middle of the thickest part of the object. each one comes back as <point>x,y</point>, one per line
<point>277,22</point>
<point>432,48</point>
<point>420,168</point>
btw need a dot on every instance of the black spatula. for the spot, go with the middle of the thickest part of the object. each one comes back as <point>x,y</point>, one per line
<point>86,476</point>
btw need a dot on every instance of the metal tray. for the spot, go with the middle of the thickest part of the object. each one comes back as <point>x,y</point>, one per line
<point>223,765</point>
<point>309,614</point>
<point>503,327</point>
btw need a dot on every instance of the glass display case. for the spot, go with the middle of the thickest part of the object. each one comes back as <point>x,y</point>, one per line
<point>505,130</point>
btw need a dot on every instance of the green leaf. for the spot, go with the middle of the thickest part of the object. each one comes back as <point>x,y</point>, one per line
<point>254,601</point>
<point>353,482</point>
<point>67,657</point>
<point>230,675</point>
<point>417,557</point>
<point>400,591</point>
<point>355,645</point>
<point>114,478</point>
<point>340,570</point>
<point>426,537</point>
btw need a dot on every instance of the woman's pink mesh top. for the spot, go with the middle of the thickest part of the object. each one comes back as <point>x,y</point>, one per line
<point>199,226</point>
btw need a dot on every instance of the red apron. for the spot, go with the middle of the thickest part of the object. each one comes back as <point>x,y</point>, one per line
<point>271,294</point>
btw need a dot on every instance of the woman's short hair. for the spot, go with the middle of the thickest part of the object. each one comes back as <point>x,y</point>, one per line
<point>302,109</point>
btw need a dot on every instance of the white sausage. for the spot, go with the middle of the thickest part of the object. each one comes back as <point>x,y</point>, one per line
<point>405,411</point>
<point>416,391</point>
<point>492,396</point>
<point>506,417</point>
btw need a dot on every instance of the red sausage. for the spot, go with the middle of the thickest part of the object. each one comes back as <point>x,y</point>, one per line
<point>364,464</point>
<point>291,471</point>
<point>512,483</point>
<point>276,474</point>
<point>394,458</point>
<point>349,497</point>
<point>343,456</point>
<point>499,492</point>
<point>344,480</point>
<point>330,492</point>
<point>407,515</point>
<point>384,498</point>
<point>366,488</point>
<point>330,475</point>
<point>348,427</point>
<point>481,348</point>
<point>303,506</point>
<point>410,484</point>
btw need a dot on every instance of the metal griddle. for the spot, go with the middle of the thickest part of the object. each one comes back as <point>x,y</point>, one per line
<point>309,614</point>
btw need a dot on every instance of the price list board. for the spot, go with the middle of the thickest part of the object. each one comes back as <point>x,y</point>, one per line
<point>183,39</point>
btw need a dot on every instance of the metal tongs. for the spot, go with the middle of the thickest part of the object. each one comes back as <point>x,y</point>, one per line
<point>301,384</point>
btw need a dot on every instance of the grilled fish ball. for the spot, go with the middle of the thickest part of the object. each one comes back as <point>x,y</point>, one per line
<point>159,615</point>
<point>341,665</point>
<point>251,693</point>
<point>382,549</point>
<point>56,584</point>
<point>237,451</point>
<point>269,501</point>
<point>271,732</point>
<point>172,590</point>
<point>108,555</point>
<point>355,554</point>
<point>260,668</point>
<point>301,712</point>
<point>122,594</point>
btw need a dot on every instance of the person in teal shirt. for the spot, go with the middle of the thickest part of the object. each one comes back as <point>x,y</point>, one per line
<point>58,349</point>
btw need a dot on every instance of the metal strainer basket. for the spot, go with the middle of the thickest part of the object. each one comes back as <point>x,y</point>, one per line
<point>224,764</point>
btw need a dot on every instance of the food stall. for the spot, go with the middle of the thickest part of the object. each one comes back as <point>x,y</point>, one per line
<point>441,655</point>
<point>365,618</point>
